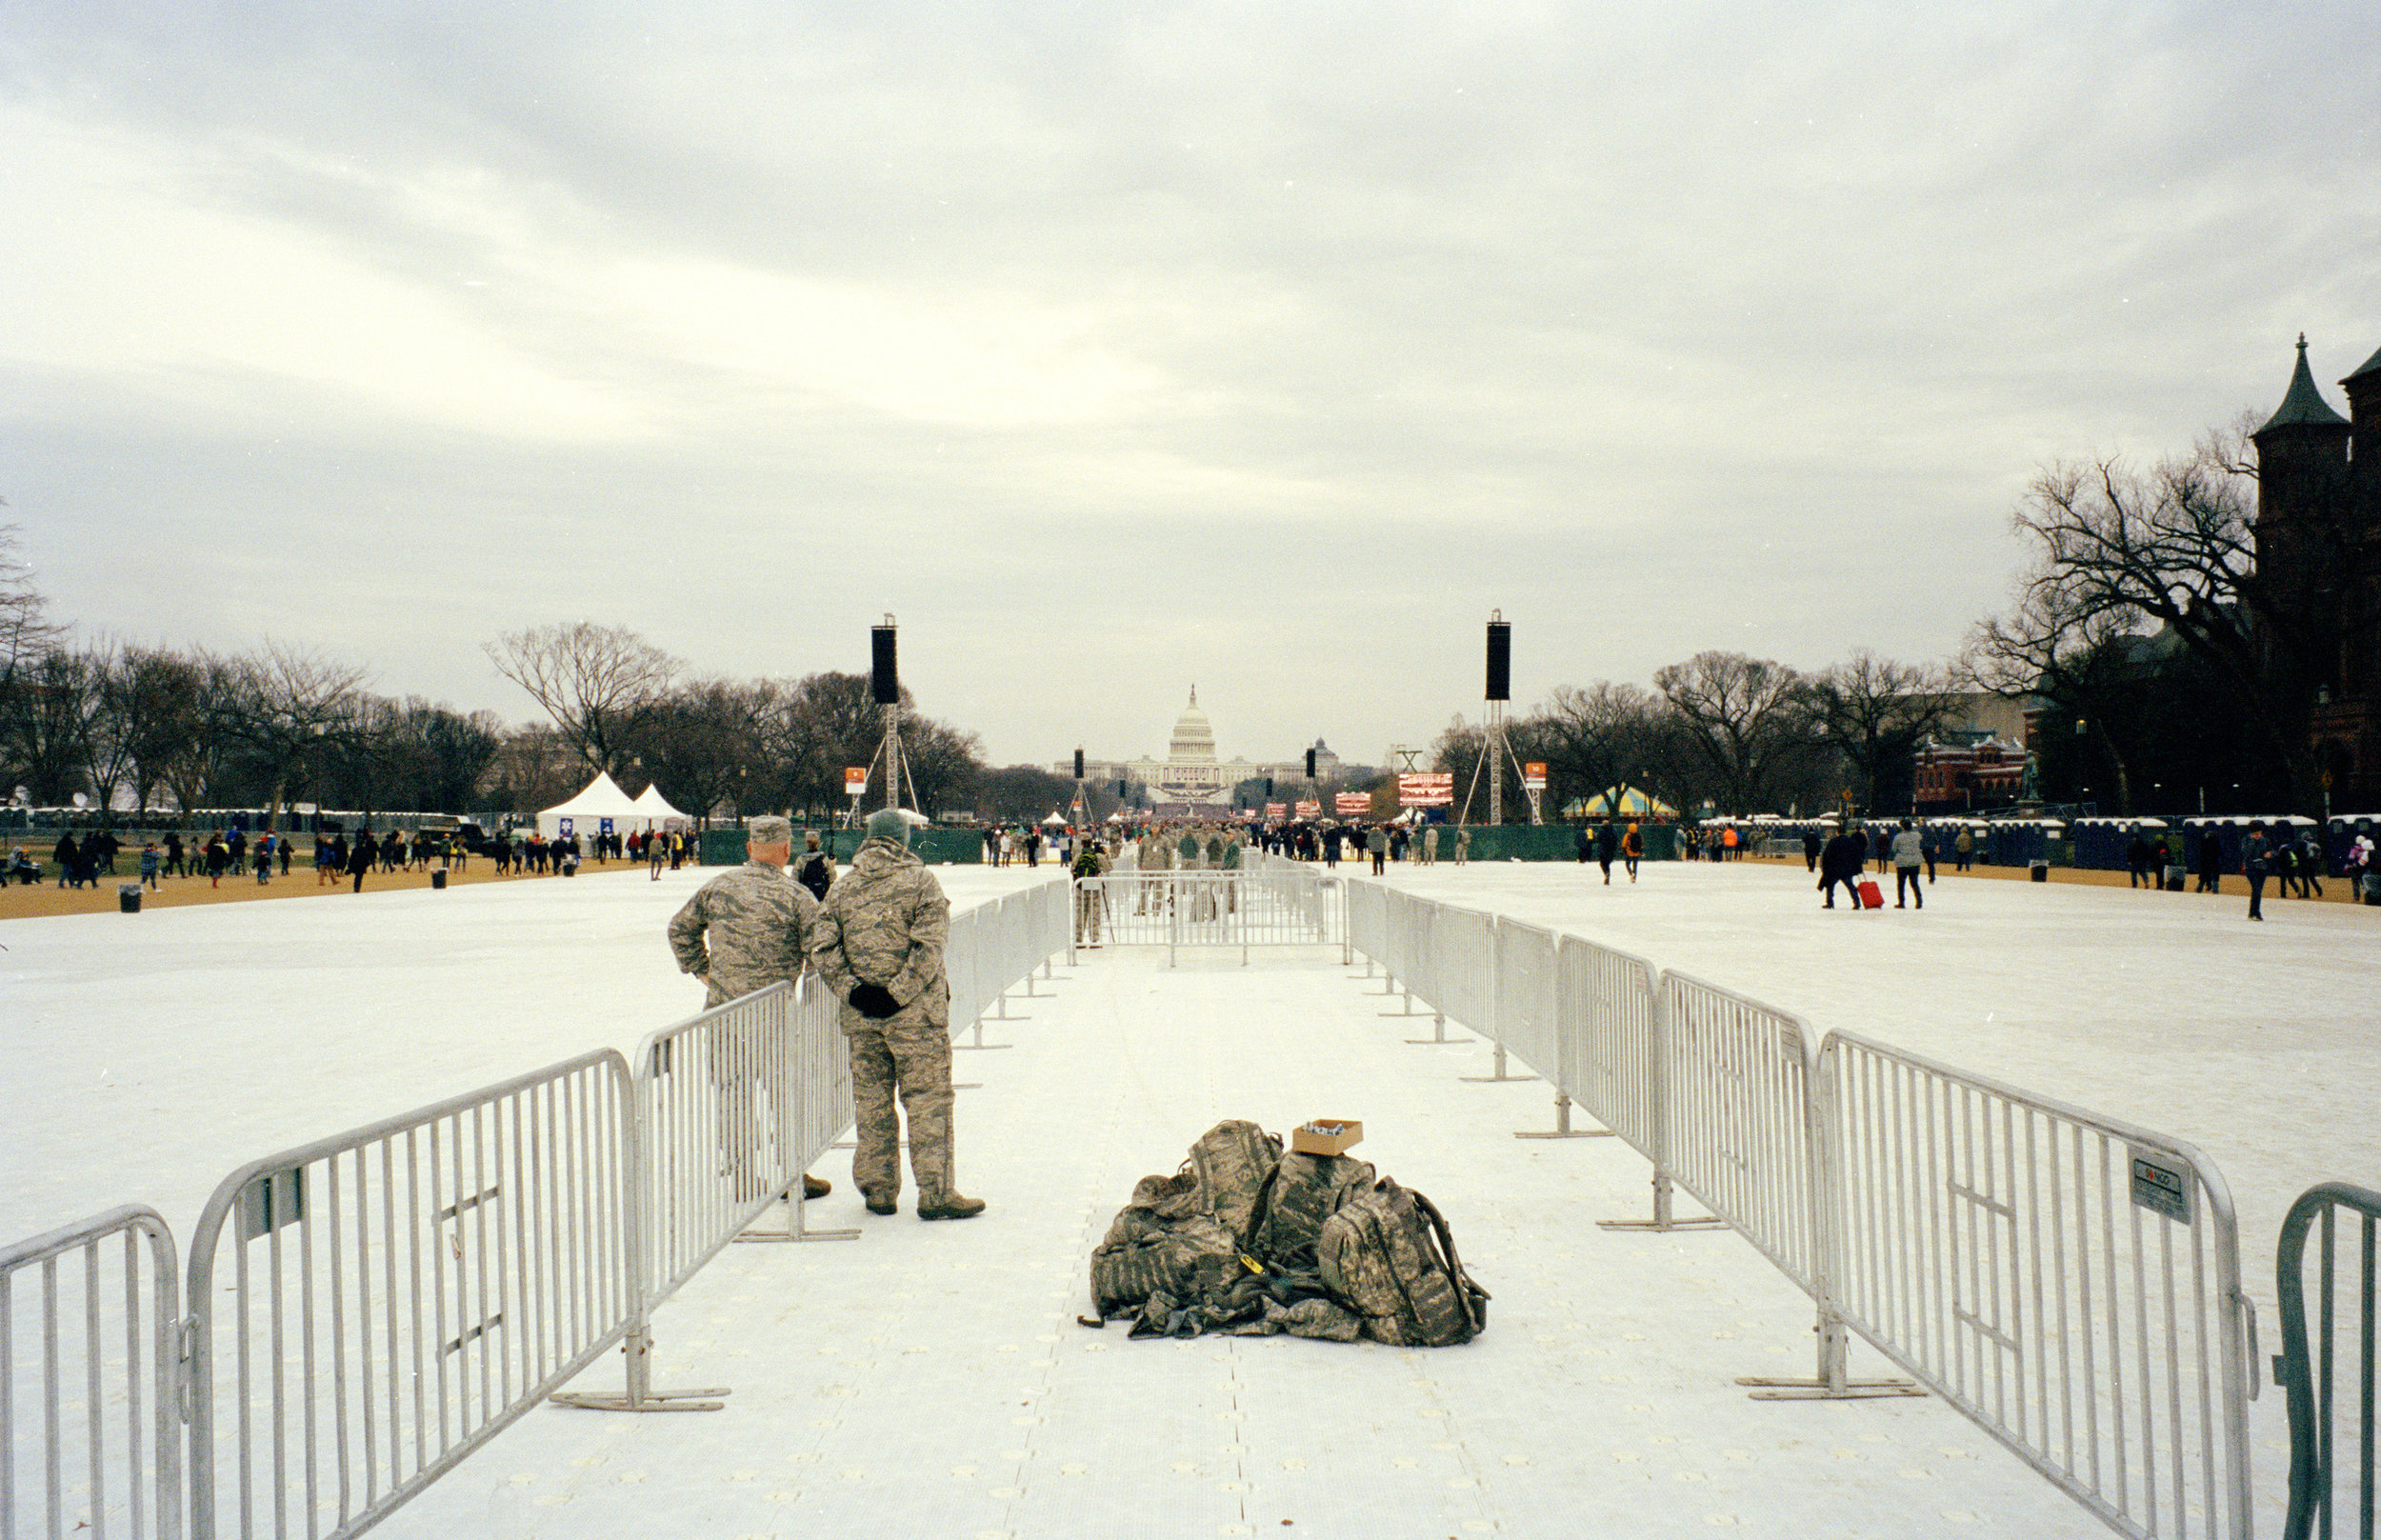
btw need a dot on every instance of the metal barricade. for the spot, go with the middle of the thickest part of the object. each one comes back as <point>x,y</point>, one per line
<point>1737,1125</point>
<point>2069,1282</point>
<point>1368,919</point>
<point>1522,981</point>
<point>401,1293</point>
<point>2307,1367</point>
<point>91,1433</point>
<point>1175,909</point>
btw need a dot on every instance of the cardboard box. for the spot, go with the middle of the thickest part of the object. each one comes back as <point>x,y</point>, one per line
<point>1326,1137</point>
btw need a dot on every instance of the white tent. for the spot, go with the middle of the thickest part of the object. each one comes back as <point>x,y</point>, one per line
<point>655,808</point>
<point>602,799</point>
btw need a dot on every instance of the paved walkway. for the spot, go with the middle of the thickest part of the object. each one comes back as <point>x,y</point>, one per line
<point>931,1379</point>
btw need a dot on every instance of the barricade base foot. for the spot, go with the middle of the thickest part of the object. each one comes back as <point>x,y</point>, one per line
<point>1564,1133</point>
<point>1818,1390</point>
<point>792,1234</point>
<point>1436,1042</point>
<point>973,1046</point>
<point>1700,1221</point>
<point>706,1400</point>
<point>970,1084</point>
<point>1490,1080</point>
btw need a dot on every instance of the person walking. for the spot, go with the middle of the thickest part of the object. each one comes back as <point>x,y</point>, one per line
<point>149,863</point>
<point>1964,849</point>
<point>1909,856</point>
<point>359,860</point>
<point>817,870</point>
<point>1429,844</point>
<point>2310,866</point>
<point>743,930</point>
<point>1376,845</point>
<point>1812,845</point>
<point>878,943</point>
<point>2256,862</point>
<point>1090,904</point>
<point>2138,862</point>
<point>1463,844</point>
<point>69,858</point>
<point>1842,861</point>
<point>1607,846</point>
<point>1631,850</point>
<point>2211,860</point>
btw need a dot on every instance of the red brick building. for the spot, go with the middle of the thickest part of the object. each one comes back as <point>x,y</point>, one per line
<point>2318,524</point>
<point>1968,772</point>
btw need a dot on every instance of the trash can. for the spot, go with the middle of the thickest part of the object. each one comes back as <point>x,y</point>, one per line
<point>2038,871</point>
<point>2174,876</point>
<point>128,897</point>
<point>438,879</point>
<point>570,866</point>
<point>2373,887</point>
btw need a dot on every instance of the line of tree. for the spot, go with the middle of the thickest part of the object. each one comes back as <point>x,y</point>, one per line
<point>1734,733</point>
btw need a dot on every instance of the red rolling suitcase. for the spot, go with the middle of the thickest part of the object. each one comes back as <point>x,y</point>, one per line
<point>1871,896</point>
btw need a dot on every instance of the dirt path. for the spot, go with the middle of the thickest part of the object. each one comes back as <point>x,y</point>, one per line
<point>18,903</point>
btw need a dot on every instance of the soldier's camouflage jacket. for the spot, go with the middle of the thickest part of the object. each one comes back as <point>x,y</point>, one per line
<point>744,931</point>
<point>886,922</point>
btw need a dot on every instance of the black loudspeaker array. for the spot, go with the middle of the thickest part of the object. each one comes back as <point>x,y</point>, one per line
<point>884,672</point>
<point>1078,764</point>
<point>1500,661</point>
<point>1309,764</point>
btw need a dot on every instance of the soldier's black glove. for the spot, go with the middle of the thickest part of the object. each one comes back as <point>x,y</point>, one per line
<point>874,1001</point>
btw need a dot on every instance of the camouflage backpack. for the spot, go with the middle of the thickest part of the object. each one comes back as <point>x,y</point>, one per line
<point>1233,1161</point>
<point>1154,1244</point>
<point>1307,1190</point>
<point>1388,1256</point>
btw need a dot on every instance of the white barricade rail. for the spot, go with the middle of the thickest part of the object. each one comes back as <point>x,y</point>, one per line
<point>1368,919</point>
<point>1460,970</point>
<point>1737,1119</point>
<point>1175,909</point>
<point>1523,983</point>
<point>91,1434</point>
<point>2069,1282</point>
<point>400,1293</point>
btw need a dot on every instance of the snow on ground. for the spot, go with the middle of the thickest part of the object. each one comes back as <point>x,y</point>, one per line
<point>930,1378</point>
<point>2259,1043</point>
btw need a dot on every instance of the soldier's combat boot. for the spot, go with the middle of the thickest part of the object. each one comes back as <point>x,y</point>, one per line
<point>815,1187</point>
<point>881,1206</point>
<point>953,1207</point>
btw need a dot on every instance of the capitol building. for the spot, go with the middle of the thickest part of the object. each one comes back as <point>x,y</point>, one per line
<point>1192,779</point>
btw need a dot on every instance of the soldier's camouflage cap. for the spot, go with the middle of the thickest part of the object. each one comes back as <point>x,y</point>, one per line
<point>768,831</point>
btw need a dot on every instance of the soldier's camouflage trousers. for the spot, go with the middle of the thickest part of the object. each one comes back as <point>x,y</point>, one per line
<point>912,1056</point>
<point>1090,906</point>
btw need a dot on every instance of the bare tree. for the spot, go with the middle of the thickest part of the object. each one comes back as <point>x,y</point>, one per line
<point>1599,740</point>
<point>946,764</point>
<point>26,629</point>
<point>289,708</point>
<point>702,744</point>
<point>196,756</point>
<point>1747,719</point>
<point>1876,712</point>
<point>2118,551</point>
<point>2085,660</point>
<point>592,680</point>
<point>46,729</point>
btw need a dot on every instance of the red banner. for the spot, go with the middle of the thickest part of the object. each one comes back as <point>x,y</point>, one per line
<point>1427,788</point>
<point>1309,810</point>
<point>1356,802</point>
<point>1277,810</point>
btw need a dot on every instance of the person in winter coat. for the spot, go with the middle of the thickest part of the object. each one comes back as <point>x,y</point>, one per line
<point>2137,872</point>
<point>1607,846</point>
<point>69,858</point>
<point>2256,863</point>
<point>1841,861</point>
<point>817,869</point>
<point>878,943</point>
<point>1376,844</point>
<point>359,860</point>
<point>1910,854</point>
<point>1631,850</point>
<point>1812,845</point>
<point>2211,861</point>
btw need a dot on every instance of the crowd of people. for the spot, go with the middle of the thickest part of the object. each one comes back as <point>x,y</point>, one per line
<point>234,853</point>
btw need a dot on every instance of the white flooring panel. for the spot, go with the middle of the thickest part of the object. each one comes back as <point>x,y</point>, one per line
<point>931,1378</point>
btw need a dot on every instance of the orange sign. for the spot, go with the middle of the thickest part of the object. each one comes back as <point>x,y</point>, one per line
<point>855,780</point>
<point>1533,777</point>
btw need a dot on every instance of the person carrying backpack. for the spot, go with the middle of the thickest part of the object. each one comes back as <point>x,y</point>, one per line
<point>817,869</point>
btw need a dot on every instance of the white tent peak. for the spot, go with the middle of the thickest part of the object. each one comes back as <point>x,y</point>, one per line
<point>601,799</point>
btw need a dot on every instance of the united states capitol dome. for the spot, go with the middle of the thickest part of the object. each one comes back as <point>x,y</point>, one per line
<point>1194,738</point>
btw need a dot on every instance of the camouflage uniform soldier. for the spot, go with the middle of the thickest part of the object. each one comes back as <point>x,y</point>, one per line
<point>744,931</point>
<point>878,943</point>
<point>1429,844</point>
<point>1463,845</point>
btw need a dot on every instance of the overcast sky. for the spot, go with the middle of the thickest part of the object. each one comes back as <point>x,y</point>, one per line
<point>1117,348</point>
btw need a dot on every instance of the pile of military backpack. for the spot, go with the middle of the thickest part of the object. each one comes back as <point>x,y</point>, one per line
<point>1247,1240</point>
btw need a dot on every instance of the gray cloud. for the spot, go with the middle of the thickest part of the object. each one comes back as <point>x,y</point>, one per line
<point>1116,346</point>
